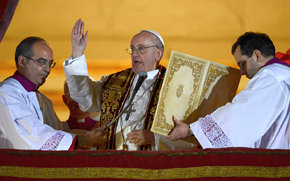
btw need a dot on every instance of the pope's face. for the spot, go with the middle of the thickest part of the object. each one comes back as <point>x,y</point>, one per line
<point>145,53</point>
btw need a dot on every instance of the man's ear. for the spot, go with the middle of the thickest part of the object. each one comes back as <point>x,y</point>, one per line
<point>159,55</point>
<point>258,55</point>
<point>21,61</point>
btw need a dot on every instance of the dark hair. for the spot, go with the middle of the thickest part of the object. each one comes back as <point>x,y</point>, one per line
<point>251,41</point>
<point>25,47</point>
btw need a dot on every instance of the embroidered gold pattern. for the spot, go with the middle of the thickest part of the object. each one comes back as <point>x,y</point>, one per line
<point>115,92</point>
<point>146,174</point>
<point>179,90</point>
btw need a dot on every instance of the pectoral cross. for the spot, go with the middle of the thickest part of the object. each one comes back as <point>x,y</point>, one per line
<point>129,112</point>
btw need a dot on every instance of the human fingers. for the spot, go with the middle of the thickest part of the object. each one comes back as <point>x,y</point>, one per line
<point>131,134</point>
<point>134,134</point>
<point>81,28</point>
<point>76,27</point>
<point>176,121</point>
<point>172,135</point>
<point>86,36</point>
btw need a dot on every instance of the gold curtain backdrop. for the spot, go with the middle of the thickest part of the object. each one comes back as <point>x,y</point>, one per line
<point>205,29</point>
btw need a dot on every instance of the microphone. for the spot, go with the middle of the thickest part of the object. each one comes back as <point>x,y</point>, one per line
<point>142,77</point>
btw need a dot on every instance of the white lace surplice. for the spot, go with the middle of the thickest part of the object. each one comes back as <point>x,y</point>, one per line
<point>22,124</point>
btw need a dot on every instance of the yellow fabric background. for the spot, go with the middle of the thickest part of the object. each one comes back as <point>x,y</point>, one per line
<point>205,29</point>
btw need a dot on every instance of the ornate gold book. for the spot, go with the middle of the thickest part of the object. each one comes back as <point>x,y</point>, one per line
<point>192,88</point>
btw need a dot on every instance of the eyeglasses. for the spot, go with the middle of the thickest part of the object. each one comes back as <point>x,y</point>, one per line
<point>242,64</point>
<point>43,62</point>
<point>139,50</point>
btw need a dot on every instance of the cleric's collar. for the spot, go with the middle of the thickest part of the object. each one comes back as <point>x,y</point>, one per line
<point>276,60</point>
<point>27,84</point>
<point>152,74</point>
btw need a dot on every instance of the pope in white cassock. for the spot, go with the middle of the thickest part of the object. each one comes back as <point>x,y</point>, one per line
<point>259,116</point>
<point>112,94</point>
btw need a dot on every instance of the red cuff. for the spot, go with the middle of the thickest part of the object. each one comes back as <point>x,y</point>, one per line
<point>73,145</point>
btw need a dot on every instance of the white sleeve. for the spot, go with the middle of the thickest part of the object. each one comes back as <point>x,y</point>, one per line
<point>200,136</point>
<point>83,90</point>
<point>21,127</point>
<point>260,108</point>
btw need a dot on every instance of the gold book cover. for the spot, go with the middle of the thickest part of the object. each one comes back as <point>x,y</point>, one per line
<point>193,87</point>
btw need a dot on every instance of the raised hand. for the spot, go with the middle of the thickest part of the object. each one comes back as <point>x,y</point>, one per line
<point>180,130</point>
<point>141,137</point>
<point>78,39</point>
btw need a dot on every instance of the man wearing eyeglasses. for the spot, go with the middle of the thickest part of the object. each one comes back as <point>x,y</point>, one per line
<point>28,120</point>
<point>112,94</point>
<point>259,116</point>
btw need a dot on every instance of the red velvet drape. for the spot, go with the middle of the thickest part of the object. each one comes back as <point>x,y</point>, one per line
<point>228,164</point>
<point>7,9</point>
<point>284,56</point>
